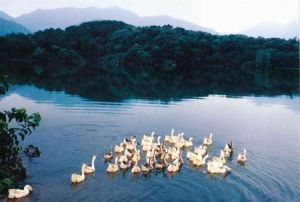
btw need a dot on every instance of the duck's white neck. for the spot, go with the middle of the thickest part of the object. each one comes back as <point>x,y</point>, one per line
<point>27,189</point>
<point>245,152</point>
<point>82,172</point>
<point>204,159</point>
<point>158,140</point>
<point>93,162</point>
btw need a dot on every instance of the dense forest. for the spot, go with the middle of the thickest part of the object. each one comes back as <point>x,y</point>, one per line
<point>113,59</point>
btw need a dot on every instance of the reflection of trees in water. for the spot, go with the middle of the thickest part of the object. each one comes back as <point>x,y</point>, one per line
<point>116,85</point>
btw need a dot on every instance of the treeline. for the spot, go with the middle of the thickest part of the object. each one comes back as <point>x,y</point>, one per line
<point>122,60</point>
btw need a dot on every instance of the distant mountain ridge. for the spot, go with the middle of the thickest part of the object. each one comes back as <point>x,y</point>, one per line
<point>64,17</point>
<point>289,30</point>
<point>9,26</point>
<point>5,16</point>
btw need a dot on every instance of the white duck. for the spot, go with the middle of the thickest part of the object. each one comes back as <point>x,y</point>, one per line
<point>228,150</point>
<point>217,161</point>
<point>178,139</point>
<point>208,140</point>
<point>19,193</point>
<point>136,168</point>
<point>242,157</point>
<point>112,168</point>
<point>198,161</point>
<point>147,138</point>
<point>188,143</point>
<point>217,170</point>
<point>147,167</point>
<point>136,157</point>
<point>174,167</point>
<point>190,155</point>
<point>123,165</point>
<point>77,178</point>
<point>155,145</point>
<point>201,150</point>
<point>90,169</point>
<point>169,138</point>
<point>119,148</point>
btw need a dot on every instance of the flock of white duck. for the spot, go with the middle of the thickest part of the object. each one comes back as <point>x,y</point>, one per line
<point>166,155</point>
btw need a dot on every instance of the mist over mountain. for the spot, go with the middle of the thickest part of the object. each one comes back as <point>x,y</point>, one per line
<point>268,30</point>
<point>64,17</point>
<point>5,16</point>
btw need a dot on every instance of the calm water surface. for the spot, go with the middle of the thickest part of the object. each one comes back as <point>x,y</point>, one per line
<point>73,129</point>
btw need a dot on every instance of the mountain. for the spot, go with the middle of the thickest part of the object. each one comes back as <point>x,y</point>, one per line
<point>9,26</point>
<point>63,17</point>
<point>267,30</point>
<point>5,16</point>
<point>163,20</point>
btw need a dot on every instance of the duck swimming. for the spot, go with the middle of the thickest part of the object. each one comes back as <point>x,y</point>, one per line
<point>188,143</point>
<point>198,161</point>
<point>77,178</point>
<point>147,167</point>
<point>136,168</point>
<point>125,165</point>
<point>174,167</point>
<point>119,148</point>
<point>208,141</point>
<point>169,138</point>
<point>242,157</point>
<point>113,167</point>
<point>108,155</point>
<point>90,169</point>
<point>217,170</point>
<point>19,193</point>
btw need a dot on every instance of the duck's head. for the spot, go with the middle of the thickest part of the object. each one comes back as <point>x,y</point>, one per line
<point>28,187</point>
<point>94,157</point>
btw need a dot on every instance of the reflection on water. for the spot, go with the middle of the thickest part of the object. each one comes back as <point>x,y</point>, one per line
<point>73,129</point>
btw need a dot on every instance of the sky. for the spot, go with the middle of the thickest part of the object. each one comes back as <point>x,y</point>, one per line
<point>224,16</point>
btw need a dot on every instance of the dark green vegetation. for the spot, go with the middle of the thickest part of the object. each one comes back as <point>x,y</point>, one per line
<point>111,59</point>
<point>15,125</point>
<point>9,26</point>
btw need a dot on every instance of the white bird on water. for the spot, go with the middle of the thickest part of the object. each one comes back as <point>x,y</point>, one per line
<point>19,193</point>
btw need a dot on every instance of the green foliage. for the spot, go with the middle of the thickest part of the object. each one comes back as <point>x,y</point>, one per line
<point>114,55</point>
<point>15,125</point>
<point>6,183</point>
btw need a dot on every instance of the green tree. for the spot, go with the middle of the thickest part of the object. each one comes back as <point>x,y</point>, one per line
<point>15,125</point>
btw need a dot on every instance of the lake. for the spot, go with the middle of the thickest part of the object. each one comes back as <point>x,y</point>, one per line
<point>74,128</point>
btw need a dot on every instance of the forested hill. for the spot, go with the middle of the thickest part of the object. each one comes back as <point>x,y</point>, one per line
<point>123,60</point>
<point>9,26</point>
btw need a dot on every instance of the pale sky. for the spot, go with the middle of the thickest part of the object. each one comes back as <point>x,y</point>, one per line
<point>221,15</point>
